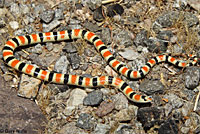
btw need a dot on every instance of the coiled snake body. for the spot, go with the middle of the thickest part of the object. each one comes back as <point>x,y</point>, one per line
<point>46,75</point>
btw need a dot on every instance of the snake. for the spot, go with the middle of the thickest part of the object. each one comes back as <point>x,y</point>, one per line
<point>78,80</point>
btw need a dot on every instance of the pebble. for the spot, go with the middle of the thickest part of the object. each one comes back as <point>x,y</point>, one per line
<point>59,15</point>
<point>2,22</point>
<point>194,4</point>
<point>70,128</point>
<point>156,45</point>
<point>74,60</point>
<point>76,97</point>
<point>174,100</point>
<point>62,65</point>
<point>70,48</point>
<point>114,10</point>
<point>192,77</point>
<point>28,86</point>
<point>106,39</point>
<point>47,16</point>
<point>92,4</point>
<point>129,54</point>
<point>125,129</point>
<point>121,101</point>
<point>123,38</point>
<point>91,26</point>
<point>140,38</point>
<point>50,26</point>
<point>185,130</point>
<point>93,99</point>
<point>2,3</point>
<point>168,127</point>
<point>126,114</point>
<point>97,14</point>
<point>38,49</point>
<point>168,109</point>
<point>101,129</point>
<point>86,122</point>
<point>14,25</point>
<point>105,108</point>
<point>15,9</point>
<point>150,87</point>
<point>165,35</point>
<point>186,108</point>
<point>149,116</point>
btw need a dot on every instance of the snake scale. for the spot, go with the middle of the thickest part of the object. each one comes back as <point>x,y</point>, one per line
<point>46,75</point>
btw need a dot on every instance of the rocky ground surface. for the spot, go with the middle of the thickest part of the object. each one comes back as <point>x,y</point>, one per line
<point>135,31</point>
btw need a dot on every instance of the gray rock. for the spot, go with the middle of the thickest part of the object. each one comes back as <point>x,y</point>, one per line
<point>165,35</point>
<point>91,26</point>
<point>125,129</point>
<point>93,99</point>
<point>168,127</point>
<point>150,116</point>
<point>74,60</point>
<point>47,16</point>
<point>150,87</point>
<point>49,46</point>
<point>101,129</point>
<point>156,45</point>
<point>86,121</point>
<point>59,15</point>
<point>121,101</point>
<point>88,52</point>
<point>140,37</point>
<point>192,76</point>
<point>129,54</point>
<point>61,65</point>
<point>123,38</point>
<point>197,129</point>
<point>174,100</point>
<point>25,8</point>
<point>97,15</point>
<point>2,22</point>
<point>37,49</point>
<point>92,4</point>
<point>185,130</point>
<point>2,3</point>
<point>76,97</point>
<point>70,128</point>
<point>70,48</point>
<point>106,39</point>
<point>50,26</point>
<point>15,9</point>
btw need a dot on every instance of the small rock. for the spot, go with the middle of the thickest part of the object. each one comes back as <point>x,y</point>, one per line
<point>156,45</point>
<point>114,10</point>
<point>105,108</point>
<point>97,15</point>
<point>129,54</point>
<point>186,108</point>
<point>69,110</point>
<point>106,39</point>
<point>85,121</point>
<point>165,35</point>
<point>125,129</point>
<point>28,86</point>
<point>150,116</point>
<point>59,14</point>
<point>14,25</point>
<point>123,37</point>
<point>91,26</point>
<point>194,4</point>
<point>93,99</point>
<point>126,114</point>
<point>140,37</point>
<point>74,60</point>
<point>70,128</point>
<point>168,127</point>
<point>2,22</point>
<point>76,97</point>
<point>150,87</point>
<point>92,4</point>
<point>185,130</point>
<point>38,49</point>
<point>192,77</point>
<point>47,16</point>
<point>50,26</point>
<point>61,65</point>
<point>121,101</point>
<point>70,48</point>
<point>174,100</point>
<point>168,109</point>
<point>101,129</point>
<point>15,9</point>
<point>2,3</point>
<point>197,130</point>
